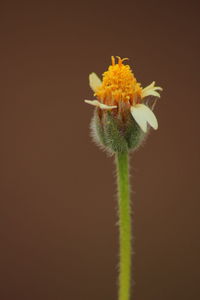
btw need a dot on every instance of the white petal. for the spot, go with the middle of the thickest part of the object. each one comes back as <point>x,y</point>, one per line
<point>139,117</point>
<point>158,88</point>
<point>151,90</point>
<point>94,81</point>
<point>104,106</point>
<point>143,114</point>
<point>92,102</point>
<point>149,86</point>
<point>152,93</point>
<point>100,105</point>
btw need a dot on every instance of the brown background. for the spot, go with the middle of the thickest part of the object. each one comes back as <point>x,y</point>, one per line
<point>58,228</point>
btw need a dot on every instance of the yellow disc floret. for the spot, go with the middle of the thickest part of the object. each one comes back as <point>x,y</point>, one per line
<point>119,84</point>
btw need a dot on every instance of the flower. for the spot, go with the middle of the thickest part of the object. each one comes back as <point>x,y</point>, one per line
<point>120,92</point>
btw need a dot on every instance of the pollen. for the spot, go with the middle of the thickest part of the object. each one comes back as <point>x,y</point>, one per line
<point>119,85</point>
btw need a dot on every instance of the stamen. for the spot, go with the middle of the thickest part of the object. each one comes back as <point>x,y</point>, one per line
<point>119,84</point>
<point>120,60</point>
<point>113,60</point>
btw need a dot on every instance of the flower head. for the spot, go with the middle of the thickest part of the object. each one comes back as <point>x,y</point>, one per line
<point>121,97</point>
<point>120,90</point>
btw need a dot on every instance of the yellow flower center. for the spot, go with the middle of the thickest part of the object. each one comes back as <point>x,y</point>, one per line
<point>119,85</point>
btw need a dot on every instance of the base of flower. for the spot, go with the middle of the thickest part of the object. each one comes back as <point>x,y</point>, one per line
<point>114,134</point>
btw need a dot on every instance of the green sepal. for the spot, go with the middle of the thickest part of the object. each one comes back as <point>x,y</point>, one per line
<point>114,134</point>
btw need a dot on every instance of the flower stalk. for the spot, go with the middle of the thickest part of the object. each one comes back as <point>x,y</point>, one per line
<point>124,212</point>
<point>122,119</point>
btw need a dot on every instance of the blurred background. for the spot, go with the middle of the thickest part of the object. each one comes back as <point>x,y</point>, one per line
<point>58,206</point>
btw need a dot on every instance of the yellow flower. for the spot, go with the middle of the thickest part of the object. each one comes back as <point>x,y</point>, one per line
<point>119,91</point>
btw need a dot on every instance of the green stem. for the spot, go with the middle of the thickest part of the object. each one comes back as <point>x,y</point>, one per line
<point>122,162</point>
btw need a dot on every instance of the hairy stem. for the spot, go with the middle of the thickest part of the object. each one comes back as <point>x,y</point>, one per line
<point>122,162</point>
